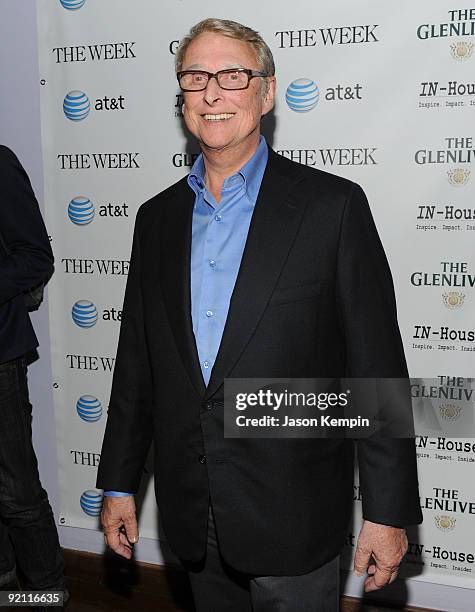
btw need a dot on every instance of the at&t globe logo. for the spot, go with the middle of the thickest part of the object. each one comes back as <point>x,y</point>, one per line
<point>89,408</point>
<point>302,95</point>
<point>91,502</point>
<point>84,313</point>
<point>72,5</point>
<point>81,210</point>
<point>76,105</point>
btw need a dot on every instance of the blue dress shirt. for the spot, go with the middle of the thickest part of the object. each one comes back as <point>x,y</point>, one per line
<point>219,233</point>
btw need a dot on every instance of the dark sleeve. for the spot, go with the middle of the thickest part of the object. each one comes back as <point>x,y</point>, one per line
<point>387,467</point>
<point>129,426</point>
<point>30,260</point>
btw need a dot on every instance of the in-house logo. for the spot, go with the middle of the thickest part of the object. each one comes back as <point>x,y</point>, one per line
<point>72,5</point>
<point>89,408</point>
<point>81,210</point>
<point>84,313</point>
<point>76,105</point>
<point>91,502</point>
<point>302,95</point>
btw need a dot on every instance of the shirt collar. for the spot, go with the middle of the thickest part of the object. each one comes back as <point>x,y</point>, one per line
<point>250,175</point>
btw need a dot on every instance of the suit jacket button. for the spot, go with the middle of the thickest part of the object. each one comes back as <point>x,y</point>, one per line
<point>202,458</point>
<point>209,405</point>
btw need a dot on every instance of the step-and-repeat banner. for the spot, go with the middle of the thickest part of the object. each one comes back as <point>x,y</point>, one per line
<point>391,105</point>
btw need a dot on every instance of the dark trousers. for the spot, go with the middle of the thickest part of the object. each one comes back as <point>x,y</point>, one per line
<point>28,535</point>
<point>7,558</point>
<point>217,587</point>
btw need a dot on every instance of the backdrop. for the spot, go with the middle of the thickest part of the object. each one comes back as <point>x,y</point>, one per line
<point>388,101</point>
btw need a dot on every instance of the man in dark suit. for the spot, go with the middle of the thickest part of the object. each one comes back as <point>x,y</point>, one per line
<point>252,267</point>
<point>28,535</point>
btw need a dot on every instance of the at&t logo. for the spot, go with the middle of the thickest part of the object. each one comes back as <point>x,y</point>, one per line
<point>76,105</point>
<point>72,5</point>
<point>84,313</point>
<point>91,502</point>
<point>89,408</point>
<point>302,95</point>
<point>81,210</point>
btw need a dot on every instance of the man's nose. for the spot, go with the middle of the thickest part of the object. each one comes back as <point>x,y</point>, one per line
<point>213,91</point>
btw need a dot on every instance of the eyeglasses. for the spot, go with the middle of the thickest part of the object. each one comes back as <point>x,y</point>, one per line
<point>232,78</point>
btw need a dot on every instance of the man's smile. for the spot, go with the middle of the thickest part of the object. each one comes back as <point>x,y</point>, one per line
<point>220,117</point>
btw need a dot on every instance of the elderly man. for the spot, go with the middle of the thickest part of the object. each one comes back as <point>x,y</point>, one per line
<point>252,266</point>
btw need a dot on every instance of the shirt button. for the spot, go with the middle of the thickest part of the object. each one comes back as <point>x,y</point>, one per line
<point>206,364</point>
<point>212,263</point>
<point>202,459</point>
<point>217,218</point>
<point>209,313</point>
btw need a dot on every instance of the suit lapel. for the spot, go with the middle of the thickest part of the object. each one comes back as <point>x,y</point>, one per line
<point>277,216</point>
<point>175,275</point>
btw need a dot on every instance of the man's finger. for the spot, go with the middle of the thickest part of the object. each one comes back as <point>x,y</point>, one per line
<point>371,569</point>
<point>361,562</point>
<point>131,528</point>
<point>114,541</point>
<point>125,540</point>
<point>380,578</point>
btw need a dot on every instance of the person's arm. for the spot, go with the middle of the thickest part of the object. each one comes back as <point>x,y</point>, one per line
<point>129,427</point>
<point>30,260</point>
<point>387,467</point>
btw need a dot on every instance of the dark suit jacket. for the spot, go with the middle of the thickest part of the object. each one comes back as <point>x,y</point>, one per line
<point>30,260</point>
<point>313,298</point>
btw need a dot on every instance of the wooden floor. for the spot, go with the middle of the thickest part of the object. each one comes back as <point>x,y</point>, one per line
<point>109,584</point>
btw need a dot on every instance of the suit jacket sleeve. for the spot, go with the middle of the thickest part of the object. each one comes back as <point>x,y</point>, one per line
<point>387,467</point>
<point>30,260</point>
<point>129,426</point>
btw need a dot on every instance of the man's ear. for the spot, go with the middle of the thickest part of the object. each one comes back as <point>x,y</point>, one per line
<point>269,95</point>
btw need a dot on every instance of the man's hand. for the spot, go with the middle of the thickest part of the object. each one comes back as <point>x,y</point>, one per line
<point>387,546</point>
<point>119,524</point>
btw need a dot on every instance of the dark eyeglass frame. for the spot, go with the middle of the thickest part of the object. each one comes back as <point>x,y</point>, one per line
<point>250,75</point>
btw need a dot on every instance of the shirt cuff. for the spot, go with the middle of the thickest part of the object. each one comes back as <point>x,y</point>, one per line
<point>116,494</point>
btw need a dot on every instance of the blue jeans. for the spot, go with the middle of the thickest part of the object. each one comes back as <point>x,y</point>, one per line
<point>28,535</point>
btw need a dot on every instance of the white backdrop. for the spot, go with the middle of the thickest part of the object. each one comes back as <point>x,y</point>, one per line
<point>394,114</point>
